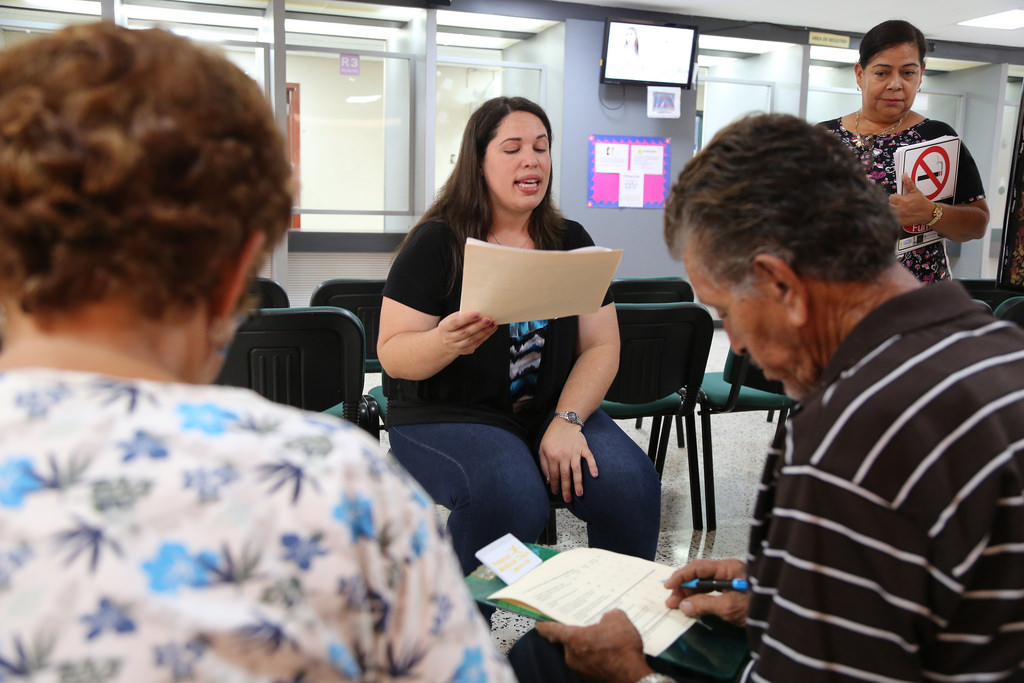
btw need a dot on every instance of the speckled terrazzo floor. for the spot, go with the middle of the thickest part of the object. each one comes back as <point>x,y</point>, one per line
<point>740,443</point>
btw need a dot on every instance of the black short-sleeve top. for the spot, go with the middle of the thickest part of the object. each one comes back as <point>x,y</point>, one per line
<point>477,387</point>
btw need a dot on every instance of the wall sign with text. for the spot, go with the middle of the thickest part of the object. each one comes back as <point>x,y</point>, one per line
<point>628,172</point>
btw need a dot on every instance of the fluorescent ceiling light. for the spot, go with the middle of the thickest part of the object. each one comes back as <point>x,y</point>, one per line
<point>72,6</point>
<point>493,22</point>
<point>727,44</point>
<point>334,28</point>
<point>834,54</point>
<point>362,99</point>
<point>203,35</point>
<point>346,9</point>
<point>709,61</point>
<point>465,40</point>
<point>1013,19</point>
<point>183,16</point>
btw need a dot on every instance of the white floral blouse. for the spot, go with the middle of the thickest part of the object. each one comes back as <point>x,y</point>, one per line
<point>168,532</point>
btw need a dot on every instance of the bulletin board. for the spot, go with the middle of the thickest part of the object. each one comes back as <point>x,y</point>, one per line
<point>628,172</point>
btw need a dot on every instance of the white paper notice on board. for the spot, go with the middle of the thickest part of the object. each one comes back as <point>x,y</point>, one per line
<point>611,158</point>
<point>631,190</point>
<point>647,159</point>
<point>515,285</point>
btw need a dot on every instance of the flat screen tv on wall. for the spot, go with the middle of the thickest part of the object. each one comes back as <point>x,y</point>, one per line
<point>648,54</point>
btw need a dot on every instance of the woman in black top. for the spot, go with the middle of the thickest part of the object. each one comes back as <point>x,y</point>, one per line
<point>490,417</point>
<point>889,76</point>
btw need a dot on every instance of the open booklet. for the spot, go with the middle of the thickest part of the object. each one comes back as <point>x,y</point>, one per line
<point>932,165</point>
<point>577,586</point>
<point>599,580</point>
<point>515,285</point>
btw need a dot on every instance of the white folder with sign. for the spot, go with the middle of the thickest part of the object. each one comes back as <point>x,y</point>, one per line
<point>932,165</point>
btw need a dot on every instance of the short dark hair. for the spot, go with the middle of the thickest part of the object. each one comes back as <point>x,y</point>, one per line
<point>773,183</point>
<point>890,34</point>
<point>133,164</point>
<point>464,201</point>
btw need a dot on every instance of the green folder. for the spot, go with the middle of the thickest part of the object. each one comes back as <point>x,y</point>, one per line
<point>711,647</point>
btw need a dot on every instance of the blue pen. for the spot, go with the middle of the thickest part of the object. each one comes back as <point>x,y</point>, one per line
<point>716,584</point>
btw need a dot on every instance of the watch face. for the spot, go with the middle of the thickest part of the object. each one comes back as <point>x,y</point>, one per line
<point>573,417</point>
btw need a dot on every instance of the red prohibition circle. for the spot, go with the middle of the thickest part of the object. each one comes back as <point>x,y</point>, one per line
<point>920,164</point>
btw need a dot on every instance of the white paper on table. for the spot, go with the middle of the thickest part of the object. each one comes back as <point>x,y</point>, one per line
<point>515,285</point>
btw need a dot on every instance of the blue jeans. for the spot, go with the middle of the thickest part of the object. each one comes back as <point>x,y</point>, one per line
<point>490,480</point>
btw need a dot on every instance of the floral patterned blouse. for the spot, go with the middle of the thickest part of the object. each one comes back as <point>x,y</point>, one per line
<point>929,262</point>
<point>167,532</point>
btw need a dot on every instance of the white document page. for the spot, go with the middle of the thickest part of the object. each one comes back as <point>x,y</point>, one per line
<point>514,285</point>
<point>578,586</point>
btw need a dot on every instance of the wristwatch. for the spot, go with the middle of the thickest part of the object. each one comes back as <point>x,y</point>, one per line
<point>936,215</point>
<point>657,678</point>
<point>571,417</point>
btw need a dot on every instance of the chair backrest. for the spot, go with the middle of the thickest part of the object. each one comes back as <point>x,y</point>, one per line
<point>269,293</point>
<point>664,349</point>
<point>310,358</point>
<point>986,290</point>
<point>362,297</point>
<point>1012,309</point>
<point>651,290</point>
<point>741,371</point>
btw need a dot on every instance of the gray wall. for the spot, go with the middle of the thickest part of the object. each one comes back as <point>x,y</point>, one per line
<point>984,86</point>
<point>590,108</point>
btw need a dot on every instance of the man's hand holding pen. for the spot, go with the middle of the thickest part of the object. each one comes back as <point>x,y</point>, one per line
<point>731,605</point>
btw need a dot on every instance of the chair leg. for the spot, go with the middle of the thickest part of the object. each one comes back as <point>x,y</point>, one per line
<point>679,431</point>
<point>709,473</point>
<point>694,467</point>
<point>771,414</point>
<point>659,461</point>
<point>549,536</point>
<point>639,422</point>
<point>652,445</point>
<point>780,428</point>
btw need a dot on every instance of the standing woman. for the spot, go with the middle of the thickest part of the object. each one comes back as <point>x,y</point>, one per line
<point>889,77</point>
<point>490,417</point>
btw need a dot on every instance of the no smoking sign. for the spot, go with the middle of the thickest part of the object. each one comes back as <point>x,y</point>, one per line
<point>931,172</point>
<point>931,165</point>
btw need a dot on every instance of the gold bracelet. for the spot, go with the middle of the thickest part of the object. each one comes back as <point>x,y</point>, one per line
<point>936,215</point>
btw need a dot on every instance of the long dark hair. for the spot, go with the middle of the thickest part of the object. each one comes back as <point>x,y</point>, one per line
<point>464,201</point>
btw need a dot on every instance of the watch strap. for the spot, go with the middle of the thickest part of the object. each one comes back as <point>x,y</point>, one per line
<point>936,215</point>
<point>570,416</point>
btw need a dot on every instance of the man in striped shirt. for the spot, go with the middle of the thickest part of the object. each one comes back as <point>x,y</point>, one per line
<point>888,535</point>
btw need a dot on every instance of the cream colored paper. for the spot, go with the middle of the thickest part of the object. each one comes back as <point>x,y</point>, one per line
<point>513,285</point>
<point>578,586</point>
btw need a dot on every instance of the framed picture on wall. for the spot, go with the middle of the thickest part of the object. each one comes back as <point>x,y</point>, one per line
<point>663,102</point>
<point>1011,255</point>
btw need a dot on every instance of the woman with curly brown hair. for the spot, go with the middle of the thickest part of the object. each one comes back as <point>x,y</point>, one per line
<point>153,527</point>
